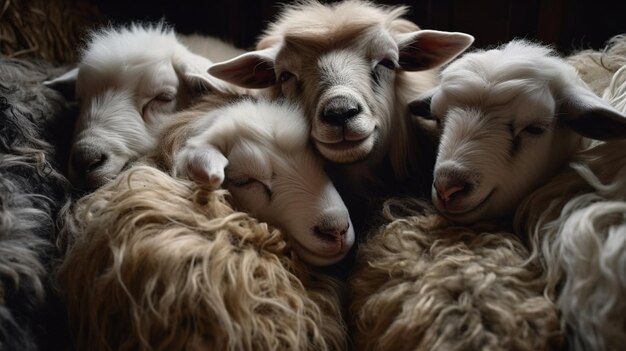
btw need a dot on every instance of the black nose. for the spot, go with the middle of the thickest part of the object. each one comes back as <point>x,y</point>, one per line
<point>87,160</point>
<point>339,110</point>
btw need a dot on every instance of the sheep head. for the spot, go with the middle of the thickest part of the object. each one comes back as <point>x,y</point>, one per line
<point>129,81</point>
<point>345,63</point>
<point>260,152</point>
<point>510,118</point>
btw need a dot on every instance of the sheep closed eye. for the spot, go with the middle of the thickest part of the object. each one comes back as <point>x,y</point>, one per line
<point>534,129</point>
<point>159,101</point>
<point>249,183</point>
<point>387,63</point>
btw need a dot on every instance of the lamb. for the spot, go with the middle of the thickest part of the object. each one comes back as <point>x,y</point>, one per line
<point>32,191</point>
<point>511,118</point>
<point>423,283</point>
<point>352,65</point>
<point>259,150</point>
<point>161,263</point>
<point>129,81</point>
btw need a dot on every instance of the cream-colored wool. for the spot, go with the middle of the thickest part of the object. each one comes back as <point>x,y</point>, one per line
<point>597,68</point>
<point>577,227</point>
<point>156,263</point>
<point>423,284</point>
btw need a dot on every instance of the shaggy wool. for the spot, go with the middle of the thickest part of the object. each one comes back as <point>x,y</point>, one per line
<point>577,227</point>
<point>422,284</point>
<point>32,190</point>
<point>597,68</point>
<point>156,263</point>
<point>45,29</point>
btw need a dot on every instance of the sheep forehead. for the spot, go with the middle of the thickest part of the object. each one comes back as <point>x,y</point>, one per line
<point>517,86</point>
<point>132,45</point>
<point>273,125</point>
<point>144,79</point>
<point>314,18</point>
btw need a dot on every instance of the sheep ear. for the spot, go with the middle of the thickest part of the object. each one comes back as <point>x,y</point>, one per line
<point>591,116</point>
<point>192,69</point>
<point>204,165</point>
<point>426,49</point>
<point>420,107</point>
<point>253,70</point>
<point>65,84</point>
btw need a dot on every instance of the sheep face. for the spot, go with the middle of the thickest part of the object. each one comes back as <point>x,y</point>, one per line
<point>259,152</point>
<point>507,117</point>
<point>128,83</point>
<point>344,63</point>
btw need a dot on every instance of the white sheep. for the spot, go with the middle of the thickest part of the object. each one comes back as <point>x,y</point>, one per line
<point>128,82</point>
<point>352,65</point>
<point>260,152</point>
<point>511,117</point>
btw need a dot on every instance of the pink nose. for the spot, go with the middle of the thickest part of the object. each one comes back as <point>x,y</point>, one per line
<point>446,192</point>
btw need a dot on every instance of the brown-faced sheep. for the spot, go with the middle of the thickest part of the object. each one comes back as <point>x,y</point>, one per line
<point>157,263</point>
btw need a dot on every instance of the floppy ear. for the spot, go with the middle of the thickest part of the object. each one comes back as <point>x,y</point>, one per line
<point>253,70</point>
<point>203,164</point>
<point>65,84</point>
<point>590,116</point>
<point>192,69</point>
<point>426,49</point>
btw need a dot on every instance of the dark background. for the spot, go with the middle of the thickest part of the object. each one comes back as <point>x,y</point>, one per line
<point>568,24</point>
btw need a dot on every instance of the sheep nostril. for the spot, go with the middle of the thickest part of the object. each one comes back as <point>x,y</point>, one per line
<point>339,110</point>
<point>330,234</point>
<point>446,192</point>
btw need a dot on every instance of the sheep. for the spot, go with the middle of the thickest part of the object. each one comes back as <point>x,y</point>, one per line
<point>511,117</point>
<point>576,224</point>
<point>259,150</point>
<point>162,263</point>
<point>422,283</point>
<point>32,191</point>
<point>129,81</point>
<point>352,65</point>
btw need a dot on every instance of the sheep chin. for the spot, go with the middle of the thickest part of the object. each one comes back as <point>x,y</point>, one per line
<point>347,151</point>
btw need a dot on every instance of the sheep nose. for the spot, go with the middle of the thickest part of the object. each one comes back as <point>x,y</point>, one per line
<point>452,183</point>
<point>446,191</point>
<point>331,232</point>
<point>339,110</point>
<point>86,160</point>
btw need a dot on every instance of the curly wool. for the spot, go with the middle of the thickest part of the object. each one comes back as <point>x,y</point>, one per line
<point>422,284</point>
<point>597,68</point>
<point>156,263</point>
<point>577,227</point>
<point>32,190</point>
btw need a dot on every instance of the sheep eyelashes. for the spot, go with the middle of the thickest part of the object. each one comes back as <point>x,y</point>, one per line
<point>129,81</point>
<point>511,118</point>
<point>260,152</point>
